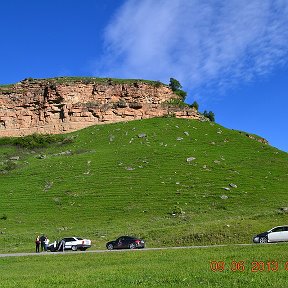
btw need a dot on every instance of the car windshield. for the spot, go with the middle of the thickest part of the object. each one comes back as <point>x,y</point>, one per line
<point>277,229</point>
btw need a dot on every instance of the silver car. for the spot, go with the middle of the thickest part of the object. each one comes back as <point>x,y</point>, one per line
<point>276,234</point>
<point>70,243</point>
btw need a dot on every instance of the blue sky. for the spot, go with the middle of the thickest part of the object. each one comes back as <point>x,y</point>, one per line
<point>230,56</point>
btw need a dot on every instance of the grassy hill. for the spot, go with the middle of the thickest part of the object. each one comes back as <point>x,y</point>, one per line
<point>170,181</point>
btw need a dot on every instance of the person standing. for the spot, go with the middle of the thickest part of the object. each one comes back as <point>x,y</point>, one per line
<point>37,243</point>
<point>42,240</point>
<point>46,242</point>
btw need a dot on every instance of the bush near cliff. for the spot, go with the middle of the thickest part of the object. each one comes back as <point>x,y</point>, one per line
<point>176,88</point>
<point>35,140</point>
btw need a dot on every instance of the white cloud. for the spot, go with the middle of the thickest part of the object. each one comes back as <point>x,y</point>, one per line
<point>202,43</point>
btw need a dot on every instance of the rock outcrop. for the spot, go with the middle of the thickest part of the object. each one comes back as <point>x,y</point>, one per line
<point>62,105</point>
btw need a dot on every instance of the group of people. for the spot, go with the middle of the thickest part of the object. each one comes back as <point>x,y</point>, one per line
<point>42,241</point>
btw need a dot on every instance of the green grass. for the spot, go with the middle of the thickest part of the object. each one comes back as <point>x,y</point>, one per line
<point>100,80</point>
<point>108,181</point>
<point>88,80</point>
<point>165,268</point>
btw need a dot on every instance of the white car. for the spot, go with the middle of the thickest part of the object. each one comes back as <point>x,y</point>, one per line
<point>70,243</point>
<point>276,234</point>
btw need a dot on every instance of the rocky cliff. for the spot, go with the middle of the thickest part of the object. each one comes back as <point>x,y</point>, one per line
<point>63,104</point>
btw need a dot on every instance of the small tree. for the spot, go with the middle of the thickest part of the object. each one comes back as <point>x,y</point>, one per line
<point>210,115</point>
<point>182,94</point>
<point>176,88</point>
<point>174,84</point>
<point>195,105</point>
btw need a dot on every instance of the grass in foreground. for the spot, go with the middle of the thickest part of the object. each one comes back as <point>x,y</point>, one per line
<point>169,268</point>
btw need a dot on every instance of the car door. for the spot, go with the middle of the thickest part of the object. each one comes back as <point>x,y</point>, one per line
<point>69,242</point>
<point>120,242</point>
<point>285,234</point>
<point>277,234</point>
<point>126,242</point>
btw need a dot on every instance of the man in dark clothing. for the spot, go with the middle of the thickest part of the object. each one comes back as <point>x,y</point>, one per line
<point>37,243</point>
<point>42,240</point>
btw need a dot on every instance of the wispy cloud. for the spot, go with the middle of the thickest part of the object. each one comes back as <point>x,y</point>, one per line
<point>202,43</point>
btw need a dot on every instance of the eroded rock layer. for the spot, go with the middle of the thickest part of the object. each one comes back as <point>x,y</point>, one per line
<point>60,105</point>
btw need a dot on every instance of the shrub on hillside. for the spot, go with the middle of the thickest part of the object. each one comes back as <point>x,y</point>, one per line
<point>135,105</point>
<point>182,94</point>
<point>121,104</point>
<point>195,105</point>
<point>174,84</point>
<point>210,115</point>
<point>176,102</point>
<point>36,140</point>
<point>157,84</point>
<point>176,88</point>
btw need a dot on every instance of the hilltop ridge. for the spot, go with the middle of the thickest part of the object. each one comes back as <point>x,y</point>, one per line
<point>66,104</point>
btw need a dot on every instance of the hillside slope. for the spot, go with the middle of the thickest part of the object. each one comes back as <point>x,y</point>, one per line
<point>170,181</point>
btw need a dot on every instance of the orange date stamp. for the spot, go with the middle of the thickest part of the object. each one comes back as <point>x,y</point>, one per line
<point>253,266</point>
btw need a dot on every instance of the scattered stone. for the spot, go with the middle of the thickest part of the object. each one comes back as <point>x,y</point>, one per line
<point>233,185</point>
<point>284,209</point>
<point>186,133</point>
<point>68,152</point>
<point>190,159</point>
<point>179,138</point>
<point>14,158</point>
<point>130,168</point>
<point>41,156</point>
<point>224,197</point>
<point>226,188</point>
<point>111,138</point>
<point>48,185</point>
<point>217,162</point>
<point>213,143</point>
<point>142,135</point>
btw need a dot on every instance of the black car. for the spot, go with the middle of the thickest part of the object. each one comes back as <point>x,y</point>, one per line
<point>276,234</point>
<point>125,242</point>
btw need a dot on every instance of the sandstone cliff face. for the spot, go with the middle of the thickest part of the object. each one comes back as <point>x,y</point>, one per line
<point>54,106</point>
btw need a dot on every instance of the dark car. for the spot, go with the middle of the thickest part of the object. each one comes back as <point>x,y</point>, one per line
<point>276,234</point>
<point>125,242</point>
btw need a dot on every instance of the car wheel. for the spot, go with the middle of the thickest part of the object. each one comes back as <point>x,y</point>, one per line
<point>132,246</point>
<point>110,247</point>
<point>263,240</point>
<point>74,248</point>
